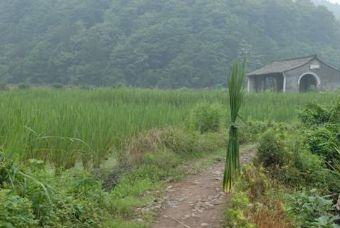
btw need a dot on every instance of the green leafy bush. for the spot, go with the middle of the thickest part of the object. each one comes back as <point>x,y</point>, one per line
<point>271,150</point>
<point>314,114</point>
<point>306,170</point>
<point>311,210</point>
<point>322,137</point>
<point>335,113</point>
<point>251,131</point>
<point>323,141</point>
<point>15,211</point>
<point>322,133</point>
<point>206,118</point>
<point>289,161</point>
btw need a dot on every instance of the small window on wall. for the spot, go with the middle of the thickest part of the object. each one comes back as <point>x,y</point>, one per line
<point>315,66</point>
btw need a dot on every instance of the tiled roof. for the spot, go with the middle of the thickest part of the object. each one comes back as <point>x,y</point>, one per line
<point>282,66</point>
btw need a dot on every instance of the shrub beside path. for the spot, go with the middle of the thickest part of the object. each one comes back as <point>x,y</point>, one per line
<point>197,201</point>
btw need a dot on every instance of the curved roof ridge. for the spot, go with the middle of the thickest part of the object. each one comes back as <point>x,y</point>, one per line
<point>296,58</point>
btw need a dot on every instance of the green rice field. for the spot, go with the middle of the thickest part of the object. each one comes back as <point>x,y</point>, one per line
<point>62,126</point>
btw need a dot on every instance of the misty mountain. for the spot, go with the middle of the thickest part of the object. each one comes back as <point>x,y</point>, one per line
<point>333,7</point>
<point>156,43</point>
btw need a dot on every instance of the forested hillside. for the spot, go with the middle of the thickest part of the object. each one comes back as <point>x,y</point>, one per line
<point>155,43</point>
<point>333,7</point>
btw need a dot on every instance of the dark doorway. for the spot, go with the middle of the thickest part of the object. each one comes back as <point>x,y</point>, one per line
<point>308,82</point>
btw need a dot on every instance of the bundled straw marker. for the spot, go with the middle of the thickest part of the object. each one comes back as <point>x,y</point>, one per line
<point>236,96</point>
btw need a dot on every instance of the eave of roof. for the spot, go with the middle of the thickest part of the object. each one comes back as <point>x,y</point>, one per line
<point>283,65</point>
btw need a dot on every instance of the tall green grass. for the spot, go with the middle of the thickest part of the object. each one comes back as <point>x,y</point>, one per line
<point>63,126</point>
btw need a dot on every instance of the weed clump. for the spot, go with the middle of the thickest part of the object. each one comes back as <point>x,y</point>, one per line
<point>135,149</point>
<point>57,86</point>
<point>4,87</point>
<point>24,86</point>
<point>323,141</point>
<point>237,214</point>
<point>314,114</point>
<point>251,131</point>
<point>15,211</point>
<point>311,210</point>
<point>257,202</point>
<point>184,143</point>
<point>322,131</point>
<point>34,197</point>
<point>290,162</point>
<point>206,118</point>
<point>271,151</point>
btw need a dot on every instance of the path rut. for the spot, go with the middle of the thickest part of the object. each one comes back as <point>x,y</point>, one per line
<point>197,201</point>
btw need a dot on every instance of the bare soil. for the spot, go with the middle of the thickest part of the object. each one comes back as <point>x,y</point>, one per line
<point>197,201</point>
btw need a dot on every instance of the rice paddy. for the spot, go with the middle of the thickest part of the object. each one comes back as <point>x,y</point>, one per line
<point>62,126</point>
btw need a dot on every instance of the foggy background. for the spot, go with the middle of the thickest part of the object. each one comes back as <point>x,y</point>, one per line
<point>158,43</point>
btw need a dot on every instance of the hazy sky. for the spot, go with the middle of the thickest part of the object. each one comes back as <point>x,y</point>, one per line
<point>335,1</point>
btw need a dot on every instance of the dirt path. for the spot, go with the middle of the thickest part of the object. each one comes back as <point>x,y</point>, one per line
<point>197,201</point>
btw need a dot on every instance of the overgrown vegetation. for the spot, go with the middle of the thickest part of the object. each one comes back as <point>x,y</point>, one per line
<point>99,157</point>
<point>256,202</point>
<point>311,210</point>
<point>38,195</point>
<point>302,163</point>
<point>69,190</point>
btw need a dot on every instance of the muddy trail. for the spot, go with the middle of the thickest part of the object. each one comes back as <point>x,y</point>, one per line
<point>197,201</point>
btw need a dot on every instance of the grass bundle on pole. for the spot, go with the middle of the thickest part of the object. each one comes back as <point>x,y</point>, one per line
<point>236,95</point>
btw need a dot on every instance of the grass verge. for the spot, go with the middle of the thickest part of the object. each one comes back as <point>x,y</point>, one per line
<point>39,195</point>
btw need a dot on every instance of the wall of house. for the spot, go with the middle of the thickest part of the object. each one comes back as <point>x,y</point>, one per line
<point>329,77</point>
<point>270,82</point>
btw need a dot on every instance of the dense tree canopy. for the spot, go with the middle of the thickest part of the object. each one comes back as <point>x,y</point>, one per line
<point>156,43</point>
<point>333,7</point>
